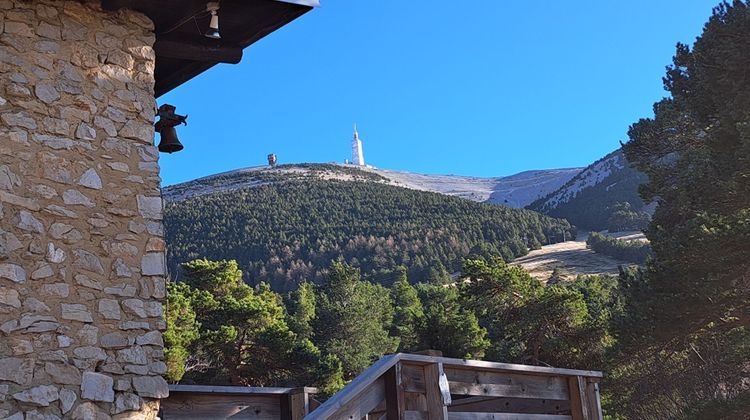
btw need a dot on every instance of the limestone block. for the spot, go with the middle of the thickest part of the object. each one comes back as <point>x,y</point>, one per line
<point>8,179</point>
<point>21,347</point>
<point>13,272</point>
<point>89,335</point>
<point>151,338</point>
<point>46,93</point>
<point>134,325</point>
<point>90,353</point>
<point>64,341</point>
<point>122,385</point>
<point>109,309</point>
<point>60,290</point>
<point>97,387</point>
<point>9,297</point>
<point>90,179</point>
<point>133,355</point>
<point>151,386</point>
<point>41,395</point>
<point>19,119</point>
<point>16,370</point>
<point>60,211</point>
<point>44,190</point>
<point>28,222</point>
<point>67,399</point>
<point>54,142</point>
<point>85,132</point>
<point>89,411</point>
<point>158,368</point>
<point>8,243</point>
<point>85,281</point>
<point>56,125</point>
<point>137,130</point>
<point>46,30</point>
<point>35,305</point>
<point>121,269</point>
<point>150,207</point>
<point>115,340</point>
<point>88,261</point>
<point>55,255</point>
<point>119,166</point>
<point>76,198</point>
<point>42,272</point>
<point>127,401</point>
<point>76,312</point>
<point>63,373</point>
<point>152,264</point>
<point>127,290</point>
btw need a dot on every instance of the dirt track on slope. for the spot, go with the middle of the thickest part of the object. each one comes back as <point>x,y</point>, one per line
<point>572,258</point>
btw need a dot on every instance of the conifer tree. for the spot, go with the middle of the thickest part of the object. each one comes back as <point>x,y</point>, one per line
<point>353,319</point>
<point>408,313</point>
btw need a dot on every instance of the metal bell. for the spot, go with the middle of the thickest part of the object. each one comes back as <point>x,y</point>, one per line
<point>168,142</point>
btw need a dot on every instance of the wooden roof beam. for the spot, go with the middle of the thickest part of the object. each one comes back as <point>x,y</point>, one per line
<point>198,51</point>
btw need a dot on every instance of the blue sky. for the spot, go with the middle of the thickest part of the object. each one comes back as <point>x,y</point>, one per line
<point>474,87</point>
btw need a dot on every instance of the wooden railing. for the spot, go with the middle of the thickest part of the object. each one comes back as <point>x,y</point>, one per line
<point>410,387</point>
<point>187,402</point>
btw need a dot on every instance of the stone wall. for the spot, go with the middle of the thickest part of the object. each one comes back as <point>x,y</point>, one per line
<point>81,249</point>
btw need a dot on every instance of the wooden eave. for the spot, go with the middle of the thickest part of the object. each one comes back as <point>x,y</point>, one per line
<point>182,52</point>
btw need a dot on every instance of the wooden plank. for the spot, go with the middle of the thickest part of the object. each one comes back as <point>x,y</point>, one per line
<point>510,405</point>
<point>436,404</point>
<point>484,365</point>
<point>394,393</point>
<point>579,409</point>
<point>412,377</point>
<point>202,389</point>
<point>415,415</point>
<point>364,403</point>
<point>216,406</point>
<point>506,416</point>
<point>593,399</point>
<point>294,406</point>
<point>598,401</point>
<point>415,401</point>
<point>505,384</point>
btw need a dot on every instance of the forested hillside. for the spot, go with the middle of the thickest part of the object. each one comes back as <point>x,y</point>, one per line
<point>602,196</point>
<point>288,231</point>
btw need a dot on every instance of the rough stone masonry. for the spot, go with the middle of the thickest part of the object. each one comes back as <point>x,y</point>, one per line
<point>82,269</point>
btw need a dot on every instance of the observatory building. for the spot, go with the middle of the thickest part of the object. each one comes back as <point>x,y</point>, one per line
<point>358,156</point>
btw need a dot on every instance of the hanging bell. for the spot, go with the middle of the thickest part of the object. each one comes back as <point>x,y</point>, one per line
<point>168,141</point>
<point>168,119</point>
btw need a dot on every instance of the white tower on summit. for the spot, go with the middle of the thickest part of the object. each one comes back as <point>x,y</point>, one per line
<point>358,156</point>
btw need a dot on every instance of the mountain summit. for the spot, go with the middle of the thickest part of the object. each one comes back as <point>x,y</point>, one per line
<point>517,190</point>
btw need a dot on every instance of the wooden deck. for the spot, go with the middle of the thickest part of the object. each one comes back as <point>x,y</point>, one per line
<point>410,387</point>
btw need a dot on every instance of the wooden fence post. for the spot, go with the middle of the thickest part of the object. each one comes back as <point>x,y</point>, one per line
<point>437,393</point>
<point>295,404</point>
<point>580,406</point>
<point>394,394</point>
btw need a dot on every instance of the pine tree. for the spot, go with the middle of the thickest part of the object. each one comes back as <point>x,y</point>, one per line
<point>686,338</point>
<point>448,326</point>
<point>408,313</point>
<point>353,319</point>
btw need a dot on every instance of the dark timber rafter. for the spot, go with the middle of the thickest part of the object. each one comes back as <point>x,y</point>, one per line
<point>197,50</point>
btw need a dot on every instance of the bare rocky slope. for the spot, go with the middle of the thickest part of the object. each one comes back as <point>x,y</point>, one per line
<point>590,197</point>
<point>517,190</point>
